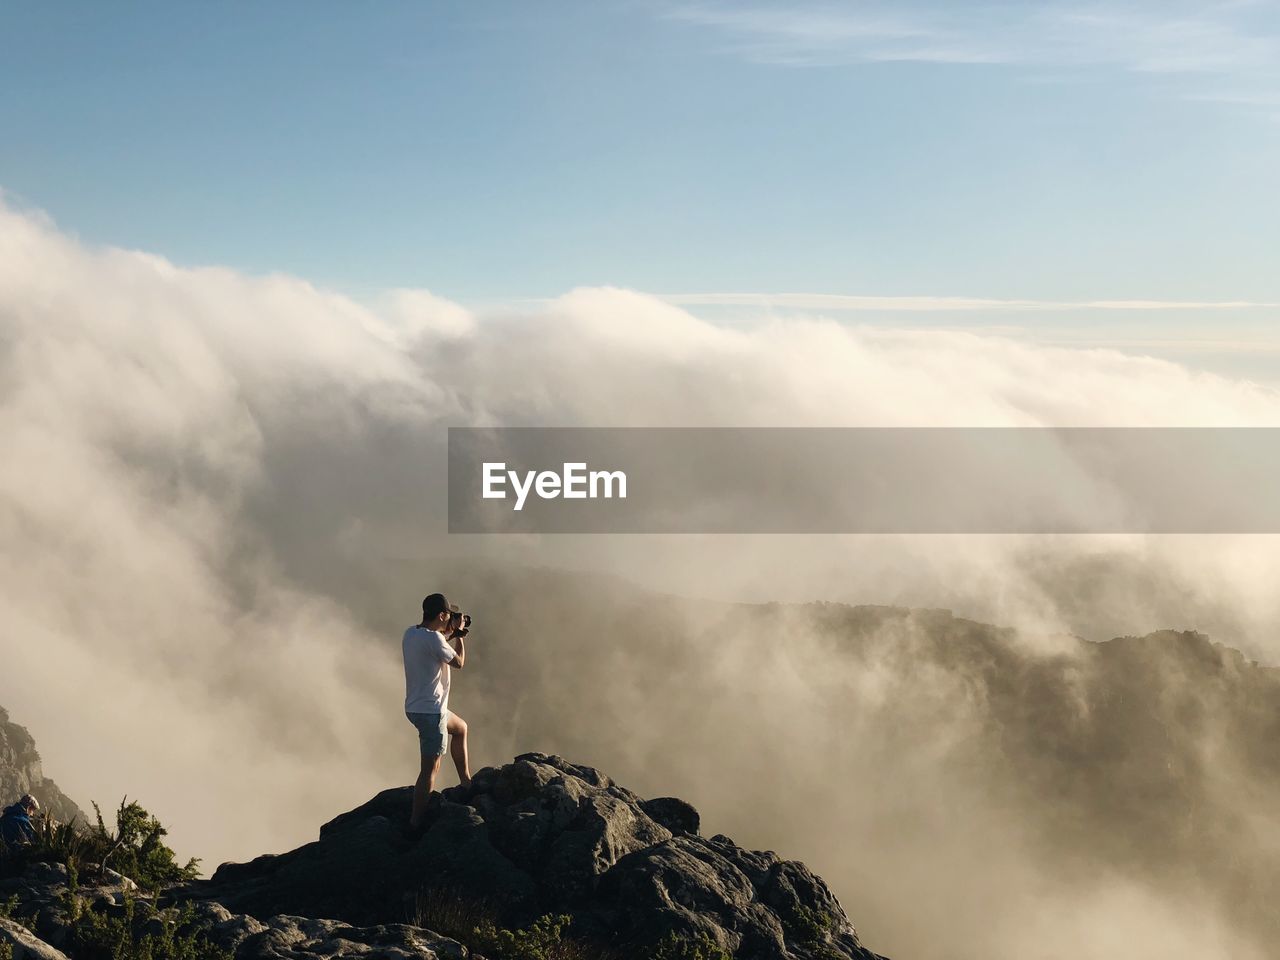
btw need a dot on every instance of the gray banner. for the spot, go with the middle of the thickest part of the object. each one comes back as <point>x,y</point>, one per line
<point>864,480</point>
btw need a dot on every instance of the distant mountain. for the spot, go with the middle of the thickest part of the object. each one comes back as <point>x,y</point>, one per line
<point>21,773</point>
<point>1157,756</point>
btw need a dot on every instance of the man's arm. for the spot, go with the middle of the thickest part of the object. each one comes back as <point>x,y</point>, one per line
<point>453,655</point>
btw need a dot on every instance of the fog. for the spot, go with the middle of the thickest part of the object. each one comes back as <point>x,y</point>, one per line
<point>222,498</point>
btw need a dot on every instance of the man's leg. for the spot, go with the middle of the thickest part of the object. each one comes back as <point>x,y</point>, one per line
<point>458,748</point>
<point>422,789</point>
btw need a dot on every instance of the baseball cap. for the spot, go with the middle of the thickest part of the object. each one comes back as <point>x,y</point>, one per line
<point>434,604</point>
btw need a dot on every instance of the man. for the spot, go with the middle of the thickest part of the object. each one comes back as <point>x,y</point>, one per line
<point>428,656</point>
<point>15,822</point>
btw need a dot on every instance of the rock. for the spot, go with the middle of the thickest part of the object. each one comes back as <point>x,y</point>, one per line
<point>44,874</point>
<point>25,944</point>
<point>673,813</point>
<point>285,938</point>
<point>112,878</point>
<point>535,836</point>
<point>246,938</point>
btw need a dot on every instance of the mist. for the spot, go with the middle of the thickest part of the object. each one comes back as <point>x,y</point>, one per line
<point>223,498</point>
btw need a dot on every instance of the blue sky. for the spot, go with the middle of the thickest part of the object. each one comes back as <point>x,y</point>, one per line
<point>500,150</point>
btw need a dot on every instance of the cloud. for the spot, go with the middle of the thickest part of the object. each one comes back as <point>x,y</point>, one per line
<point>816,35</point>
<point>845,302</point>
<point>222,494</point>
<point>1226,51</point>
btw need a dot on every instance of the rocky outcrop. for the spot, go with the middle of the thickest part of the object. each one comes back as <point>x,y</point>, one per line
<point>21,772</point>
<point>46,933</point>
<point>40,901</point>
<point>543,835</point>
<point>536,836</point>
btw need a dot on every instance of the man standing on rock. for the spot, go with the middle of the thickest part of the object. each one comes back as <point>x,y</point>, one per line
<point>430,649</point>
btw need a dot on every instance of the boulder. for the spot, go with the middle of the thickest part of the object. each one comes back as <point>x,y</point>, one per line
<point>674,814</point>
<point>25,944</point>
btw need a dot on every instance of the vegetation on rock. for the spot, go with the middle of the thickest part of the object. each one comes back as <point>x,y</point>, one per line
<point>134,856</point>
<point>135,848</point>
<point>138,929</point>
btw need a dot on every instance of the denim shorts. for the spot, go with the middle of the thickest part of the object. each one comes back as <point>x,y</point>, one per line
<point>433,732</point>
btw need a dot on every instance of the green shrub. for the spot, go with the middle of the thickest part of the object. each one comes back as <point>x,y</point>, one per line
<point>138,931</point>
<point>9,911</point>
<point>134,848</point>
<point>701,947</point>
<point>476,923</point>
<point>541,941</point>
<point>6,951</point>
<point>808,926</point>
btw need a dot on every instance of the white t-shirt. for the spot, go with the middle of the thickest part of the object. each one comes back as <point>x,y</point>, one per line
<point>426,670</point>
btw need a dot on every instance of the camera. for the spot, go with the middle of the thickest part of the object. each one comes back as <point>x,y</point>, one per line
<point>463,621</point>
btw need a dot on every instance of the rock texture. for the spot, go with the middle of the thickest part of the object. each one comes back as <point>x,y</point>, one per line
<point>543,835</point>
<point>25,945</point>
<point>39,897</point>
<point>20,772</point>
<point>46,932</point>
<point>286,938</point>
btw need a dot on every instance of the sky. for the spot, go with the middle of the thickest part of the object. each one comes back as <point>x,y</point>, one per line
<point>1059,151</point>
